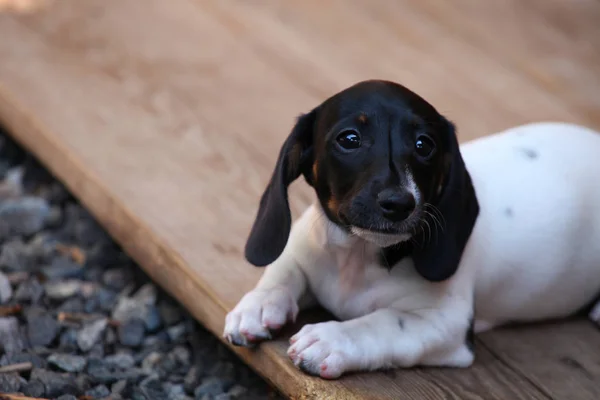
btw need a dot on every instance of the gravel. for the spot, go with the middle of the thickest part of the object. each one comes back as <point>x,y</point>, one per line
<point>86,319</point>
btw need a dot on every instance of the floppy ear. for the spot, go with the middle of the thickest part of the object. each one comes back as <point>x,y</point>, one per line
<point>272,225</point>
<point>438,260</point>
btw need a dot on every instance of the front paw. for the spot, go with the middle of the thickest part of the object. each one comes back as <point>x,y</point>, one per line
<point>258,314</point>
<point>326,350</point>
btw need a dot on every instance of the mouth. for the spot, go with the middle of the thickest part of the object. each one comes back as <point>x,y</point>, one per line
<point>384,233</point>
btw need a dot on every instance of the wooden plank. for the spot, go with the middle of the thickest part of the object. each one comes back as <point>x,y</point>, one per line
<point>561,359</point>
<point>153,111</point>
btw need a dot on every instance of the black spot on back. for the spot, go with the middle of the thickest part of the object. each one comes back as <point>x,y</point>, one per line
<point>508,212</point>
<point>529,153</point>
<point>401,323</point>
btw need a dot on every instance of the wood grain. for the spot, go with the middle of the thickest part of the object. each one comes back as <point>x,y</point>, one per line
<point>165,118</point>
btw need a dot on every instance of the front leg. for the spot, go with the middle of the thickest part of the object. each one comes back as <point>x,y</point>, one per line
<point>386,338</point>
<point>274,301</point>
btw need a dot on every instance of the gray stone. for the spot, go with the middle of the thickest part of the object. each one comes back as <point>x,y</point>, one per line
<point>42,328</point>
<point>224,396</point>
<point>29,291</point>
<point>120,360</point>
<point>181,355</point>
<point>24,216</point>
<point>11,382</point>
<point>107,374</point>
<point>192,379</point>
<point>151,361</point>
<point>68,340</point>
<point>176,332</point>
<point>66,397</point>
<point>68,362</point>
<point>152,319</point>
<point>152,388</point>
<point>72,305</point>
<point>118,387</point>
<point>131,333</point>
<point>6,291</point>
<point>34,388</point>
<point>237,391</point>
<point>62,268</point>
<point>90,334</point>
<point>117,278</point>
<point>60,290</point>
<point>55,384</point>
<point>42,247</point>
<point>210,386</point>
<point>169,312</point>
<point>98,392</point>
<point>15,256</point>
<point>136,306</point>
<point>23,357</point>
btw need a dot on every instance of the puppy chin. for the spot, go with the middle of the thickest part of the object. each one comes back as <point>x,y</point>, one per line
<point>380,239</point>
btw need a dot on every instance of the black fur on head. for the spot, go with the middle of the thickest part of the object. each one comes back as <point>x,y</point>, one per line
<point>386,166</point>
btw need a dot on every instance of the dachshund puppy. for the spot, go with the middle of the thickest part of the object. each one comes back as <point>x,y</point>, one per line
<point>414,242</point>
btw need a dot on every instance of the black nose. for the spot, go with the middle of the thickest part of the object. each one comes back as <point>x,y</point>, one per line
<point>396,205</point>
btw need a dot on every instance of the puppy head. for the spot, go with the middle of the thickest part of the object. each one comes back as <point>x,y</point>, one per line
<point>386,167</point>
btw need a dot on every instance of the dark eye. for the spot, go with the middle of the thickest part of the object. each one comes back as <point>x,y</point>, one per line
<point>349,139</point>
<point>424,146</point>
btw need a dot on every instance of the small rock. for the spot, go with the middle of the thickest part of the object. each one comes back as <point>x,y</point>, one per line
<point>98,392</point>
<point>181,355</point>
<point>55,384</point>
<point>6,291</point>
<point>173,391</point>
<point>237,391</point>
<point>97,350</point>
<point>66,397</point>
<point>34,359</point>
<point>62,268</point>
<point>67,362</point>
<point>29,291</point>
<point>151,360</point>
<point>54,217</point>
<point>136,306</point>
<point>15,256</point>
<point>223,396</point>
<point>120,360</point>
<point>151,388</point>
<point>107,374</point>
<point>42,328</point>
<point>72,305</point>
<point>42,247</point>
<point>11,382</point>
<point>60,290</point>
<point>192,379</point>
<point>155,340</point>
<point>210,386</point>
<point>68,340</point>
<point>131,333</point>
<point>83,383</point>
<point>110,337</point>
<point>176,332</point>
<point>34,388</point>
<point>102,300</point>
<point>170,313</point>
<point>117,278</point>
<point>24,216</point>
<point>91,333</point>
<point>118,387</point>
<point>152,319</point>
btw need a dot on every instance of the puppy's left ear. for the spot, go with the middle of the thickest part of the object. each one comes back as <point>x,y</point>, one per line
<point>272,225</point>
<point>439,258</point>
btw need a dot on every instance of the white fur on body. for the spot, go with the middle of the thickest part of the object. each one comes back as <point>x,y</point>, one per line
<point>534,254</point>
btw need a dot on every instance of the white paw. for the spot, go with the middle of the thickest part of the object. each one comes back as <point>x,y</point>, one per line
<point>258,314</point>
<point>325,350</point>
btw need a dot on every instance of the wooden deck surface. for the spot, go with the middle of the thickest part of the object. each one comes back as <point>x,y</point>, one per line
<point>165,118</point>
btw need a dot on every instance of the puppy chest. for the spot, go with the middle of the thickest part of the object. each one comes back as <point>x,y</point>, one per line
<point>351,294</point>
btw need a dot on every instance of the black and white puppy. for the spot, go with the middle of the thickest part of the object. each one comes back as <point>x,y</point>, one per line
<point>413,248</point>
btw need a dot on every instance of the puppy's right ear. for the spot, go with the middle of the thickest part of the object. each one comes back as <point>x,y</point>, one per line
<point>271,229</point>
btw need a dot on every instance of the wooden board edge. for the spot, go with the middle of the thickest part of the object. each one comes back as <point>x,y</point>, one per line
<point>166,269</point>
